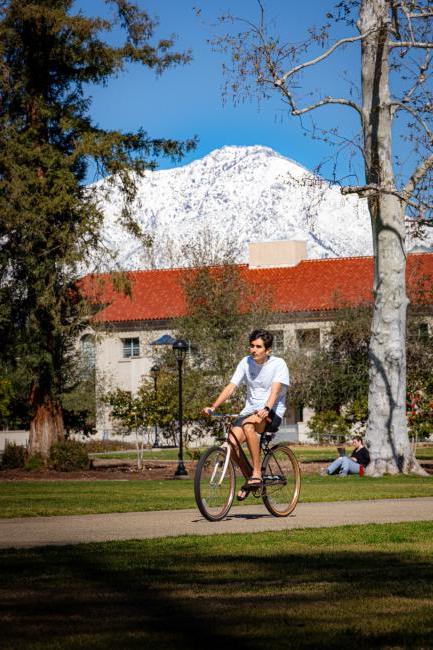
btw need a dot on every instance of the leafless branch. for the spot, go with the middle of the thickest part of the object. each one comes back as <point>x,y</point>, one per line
<point>418,175</point>
<point>423,14</point>
<point>421,77</point>
<point>323,102</point>
<point>425,45</point>
<point>417,117</point>
<point>409,21</point>
<point>323,56</point>
<point>367,191</point>
<point>328,100</point>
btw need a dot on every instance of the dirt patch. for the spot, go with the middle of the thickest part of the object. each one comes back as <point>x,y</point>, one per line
<point>152,471</point>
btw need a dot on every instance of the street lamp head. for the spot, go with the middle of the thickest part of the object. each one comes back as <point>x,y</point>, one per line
<point>155,370</point>
<point>180,348</point>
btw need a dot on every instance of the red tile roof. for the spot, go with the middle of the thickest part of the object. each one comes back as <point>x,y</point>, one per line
<point>312,285</point>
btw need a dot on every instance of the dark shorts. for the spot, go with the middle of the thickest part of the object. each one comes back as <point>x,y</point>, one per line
<point>272,425</point>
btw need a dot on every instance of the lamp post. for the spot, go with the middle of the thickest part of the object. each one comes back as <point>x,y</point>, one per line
<point>180,349</point>
<point>154,371</point>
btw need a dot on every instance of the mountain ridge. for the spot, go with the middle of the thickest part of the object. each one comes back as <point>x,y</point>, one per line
<point>238,195</point>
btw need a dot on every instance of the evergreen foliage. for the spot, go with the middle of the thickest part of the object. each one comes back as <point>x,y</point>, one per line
<point>50,223</point>
<point>14,456</point>
<point>68,456</point>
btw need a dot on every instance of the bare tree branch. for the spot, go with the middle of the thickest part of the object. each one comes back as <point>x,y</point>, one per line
<point>418,175</point>
<point>425,45</point>
<point>409,21</point>
<point>323,102</point>
<point>367,191</point>
<point>424,14</point>
<point>323,56</point>
<point>417,117</point>
<point>327,101</point>
<point>420,78</point>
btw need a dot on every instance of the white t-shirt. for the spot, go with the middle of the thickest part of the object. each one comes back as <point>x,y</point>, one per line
<point>259,379</point>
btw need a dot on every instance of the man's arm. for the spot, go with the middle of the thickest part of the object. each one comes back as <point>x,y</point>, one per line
<point>225,394</point>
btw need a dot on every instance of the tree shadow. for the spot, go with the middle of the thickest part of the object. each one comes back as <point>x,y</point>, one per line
<point>130,594</point>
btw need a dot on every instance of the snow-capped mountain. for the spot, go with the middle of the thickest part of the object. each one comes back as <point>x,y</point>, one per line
<point>241,195</point>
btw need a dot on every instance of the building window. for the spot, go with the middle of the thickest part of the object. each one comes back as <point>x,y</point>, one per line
<point>423,333</point>
<point>299,413</point>
<point>131,348</point>
<point>87,344</point>
<point>278,344</point>
<point>308,339</point>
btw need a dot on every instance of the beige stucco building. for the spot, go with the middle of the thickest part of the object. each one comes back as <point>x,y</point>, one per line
<point>305,294</point>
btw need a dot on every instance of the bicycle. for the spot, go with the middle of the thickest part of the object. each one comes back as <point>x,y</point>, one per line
<point>215,476</point>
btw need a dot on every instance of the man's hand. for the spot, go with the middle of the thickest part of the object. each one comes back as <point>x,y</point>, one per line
<point>208,410</point>
<point>263,413</point>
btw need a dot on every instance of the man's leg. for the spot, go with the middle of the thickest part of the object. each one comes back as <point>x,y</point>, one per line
<point>349,466</point>
<point>335,465</point>
<point>253,442</point>
<point>353,467</point>
<point>237,438</point>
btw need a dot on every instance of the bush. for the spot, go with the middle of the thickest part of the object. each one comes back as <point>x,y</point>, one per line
<point>96,446</point>
<point>13,456</point>
<point>328,426</point>
<point>34,463</point>
<point>68,456</point>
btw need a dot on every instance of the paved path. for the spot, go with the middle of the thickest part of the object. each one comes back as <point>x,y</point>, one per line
<point>41,531</point>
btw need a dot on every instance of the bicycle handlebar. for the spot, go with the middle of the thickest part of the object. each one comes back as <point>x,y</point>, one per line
<point>223,415</point>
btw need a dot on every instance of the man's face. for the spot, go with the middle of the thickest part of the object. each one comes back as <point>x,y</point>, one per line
<point>356,443</point>
<point>258,351</point>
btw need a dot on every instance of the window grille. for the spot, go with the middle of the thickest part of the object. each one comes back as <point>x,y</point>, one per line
<point>131,348</point>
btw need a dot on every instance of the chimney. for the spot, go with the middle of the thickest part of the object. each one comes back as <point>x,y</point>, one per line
<point>276,253</point>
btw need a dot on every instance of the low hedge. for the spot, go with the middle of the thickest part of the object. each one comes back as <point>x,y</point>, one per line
<point>68,456</point>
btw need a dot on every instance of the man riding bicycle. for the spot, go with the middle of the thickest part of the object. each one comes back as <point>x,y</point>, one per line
<point>267,379</point>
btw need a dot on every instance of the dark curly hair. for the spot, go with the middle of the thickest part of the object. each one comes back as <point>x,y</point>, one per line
<point>266,336</point>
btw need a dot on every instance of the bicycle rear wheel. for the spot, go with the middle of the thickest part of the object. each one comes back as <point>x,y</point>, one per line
<point>214,484</point>
<point>282,481</point>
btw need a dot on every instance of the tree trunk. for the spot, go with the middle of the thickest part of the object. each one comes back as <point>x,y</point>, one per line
<point>46,426</point>
<point>387,435</point>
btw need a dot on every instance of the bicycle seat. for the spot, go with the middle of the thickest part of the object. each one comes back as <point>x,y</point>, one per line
<point>266,437</point>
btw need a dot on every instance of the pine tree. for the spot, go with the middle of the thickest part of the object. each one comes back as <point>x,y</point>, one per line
<point>50,223</point>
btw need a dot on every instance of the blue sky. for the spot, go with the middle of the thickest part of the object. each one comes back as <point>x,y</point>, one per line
<point>187,100</point>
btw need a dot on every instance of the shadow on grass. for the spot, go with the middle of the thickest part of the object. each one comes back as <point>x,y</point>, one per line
<point>196,594</point>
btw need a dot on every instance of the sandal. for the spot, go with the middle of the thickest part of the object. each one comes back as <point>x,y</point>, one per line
<point>242,494</point>
<point>253,482</point>
<point>250,485</point>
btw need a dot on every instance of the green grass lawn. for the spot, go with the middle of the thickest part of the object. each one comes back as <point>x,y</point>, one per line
<point>46,498</point>
<point>354,586</point>
<point>304,453</point>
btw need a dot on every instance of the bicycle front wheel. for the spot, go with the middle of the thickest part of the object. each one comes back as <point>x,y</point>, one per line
<point>214,484</point>
<point>282,481</point>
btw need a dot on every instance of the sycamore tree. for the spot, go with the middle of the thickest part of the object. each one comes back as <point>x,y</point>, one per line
<point>389,95</point>
<point>49,223</point>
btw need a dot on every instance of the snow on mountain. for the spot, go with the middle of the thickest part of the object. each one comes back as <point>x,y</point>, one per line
<point>246,194</point>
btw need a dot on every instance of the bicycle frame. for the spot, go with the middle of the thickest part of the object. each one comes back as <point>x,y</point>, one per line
<point>240,457</point>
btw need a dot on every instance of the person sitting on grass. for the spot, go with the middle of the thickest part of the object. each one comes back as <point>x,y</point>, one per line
<point>343,465</point>
<point>266,378</point>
